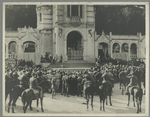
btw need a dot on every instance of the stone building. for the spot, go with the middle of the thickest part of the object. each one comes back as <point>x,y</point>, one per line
<point>69,30</point>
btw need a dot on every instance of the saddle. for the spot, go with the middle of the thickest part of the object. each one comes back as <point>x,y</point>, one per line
<point>87,84</point>
<point>36,93</point>
<point>132,88</point>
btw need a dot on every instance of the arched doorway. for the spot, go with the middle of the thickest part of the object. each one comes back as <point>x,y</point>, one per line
<point>116,48</point>
<point>29,51</point>
<point>74,46</point>
<point>103,52</point>
<point>12,49</point>
<point>133,51</point>
<point>29,46</point>
<point>125,47</point>
<point>102,49</point>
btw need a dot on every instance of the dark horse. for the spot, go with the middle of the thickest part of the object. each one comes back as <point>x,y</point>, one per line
<point>14,95</point>
<point>17,91</point>
<point>123,81</point>
<point>89,91</point>
<point>8,87</point>
<point>105,89</point>
<point>28,95</point>
<point>137,94</point>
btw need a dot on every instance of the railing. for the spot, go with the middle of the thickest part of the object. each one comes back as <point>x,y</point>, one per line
<point>133,56</point>
<point>75,18</point>
<point>12,56</point>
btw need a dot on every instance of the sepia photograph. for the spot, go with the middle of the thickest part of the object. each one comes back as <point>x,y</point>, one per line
<point>79,59</point>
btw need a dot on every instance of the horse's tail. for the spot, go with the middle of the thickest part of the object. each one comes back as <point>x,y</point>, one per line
<point>24,97</point>
<point>140,93</point>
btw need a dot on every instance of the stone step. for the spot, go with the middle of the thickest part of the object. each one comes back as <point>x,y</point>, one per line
<point>73,65</point>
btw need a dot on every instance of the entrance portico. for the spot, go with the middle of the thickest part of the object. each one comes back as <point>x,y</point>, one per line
<point>74,45</point>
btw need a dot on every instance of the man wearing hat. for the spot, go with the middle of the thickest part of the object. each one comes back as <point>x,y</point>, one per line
<point>7,83</point>
<point>24,81</point>
<point>133,82</point>
<point>33,84</point>
<point>108,77</point>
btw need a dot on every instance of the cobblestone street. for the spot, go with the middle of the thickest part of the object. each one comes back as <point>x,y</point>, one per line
<point>76,105</point>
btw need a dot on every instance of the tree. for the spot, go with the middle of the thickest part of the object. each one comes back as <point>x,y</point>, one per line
<point>120,19</point>
<point>19,16</point>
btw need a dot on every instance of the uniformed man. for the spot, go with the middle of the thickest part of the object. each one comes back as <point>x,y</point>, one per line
<point>133,81</point>
<point>7,83</point>
<point>66,84</point>
<point>24,81</point>
<point>108,77</point>
<point>86,83</point>
<point>33,84</point>
<point>15,77</point>
<point>79,85</point>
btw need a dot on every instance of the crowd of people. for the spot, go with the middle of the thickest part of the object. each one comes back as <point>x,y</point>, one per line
<point>51,58</point>
<point>73,82</point>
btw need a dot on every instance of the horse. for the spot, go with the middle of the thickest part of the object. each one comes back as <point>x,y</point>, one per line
<point>10,83</point>
<point>55,86</point>
<point>123,81</point>
<point>28,95</point>
<point>8,88</point>
<point>90,89</point>
<point>137,94</point>
<point>14,95</point>
<point>105,89</point>
<point>16,92</point>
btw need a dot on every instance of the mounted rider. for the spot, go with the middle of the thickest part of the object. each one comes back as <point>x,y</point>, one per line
<point>108,77</point>
<point>33,84</point>
<point>87,81</point>
<point>133,81</point>
<point>23,81</point>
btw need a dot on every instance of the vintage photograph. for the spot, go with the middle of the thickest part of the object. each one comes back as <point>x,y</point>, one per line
<point>75,58</point>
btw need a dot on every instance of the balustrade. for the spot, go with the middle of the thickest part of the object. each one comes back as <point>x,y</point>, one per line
<point>75,18</point>
<point>12,56</point>
<point>133,56</point>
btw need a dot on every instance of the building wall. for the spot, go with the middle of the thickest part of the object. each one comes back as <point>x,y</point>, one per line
<point>54,26</point>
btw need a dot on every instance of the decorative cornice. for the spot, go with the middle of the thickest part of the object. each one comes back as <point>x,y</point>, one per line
<point>72,24</point>
<point>11,36</point>
<point>75,24</point>
<point>44,9</point>
<point>90,25</point>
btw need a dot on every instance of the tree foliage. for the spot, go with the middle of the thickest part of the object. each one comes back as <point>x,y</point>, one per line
<point>20,16</point>
<point>119,19</point>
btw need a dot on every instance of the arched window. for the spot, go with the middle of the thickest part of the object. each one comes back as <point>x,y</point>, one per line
<point>125,47</point>
<point>116,48</point>
<point>29,46</point>
<point>133,48</point>
<point>12,47</point>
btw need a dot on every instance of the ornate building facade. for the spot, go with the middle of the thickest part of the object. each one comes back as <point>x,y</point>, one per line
<point>69,30</point>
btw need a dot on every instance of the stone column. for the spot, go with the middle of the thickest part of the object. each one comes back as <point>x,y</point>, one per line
<point>70,10</point>
<point>129,52</point>
<point>84,48</point>
<point>20,50</point>
<point>120,48</point>
<point>111,55</point>
<point>137,52</point>
<point>79,10</point>
<point>110,44</point>
<point>65,50</point>
<point>109,48</point>
<point>57,48</point>
<point>6,50</point>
